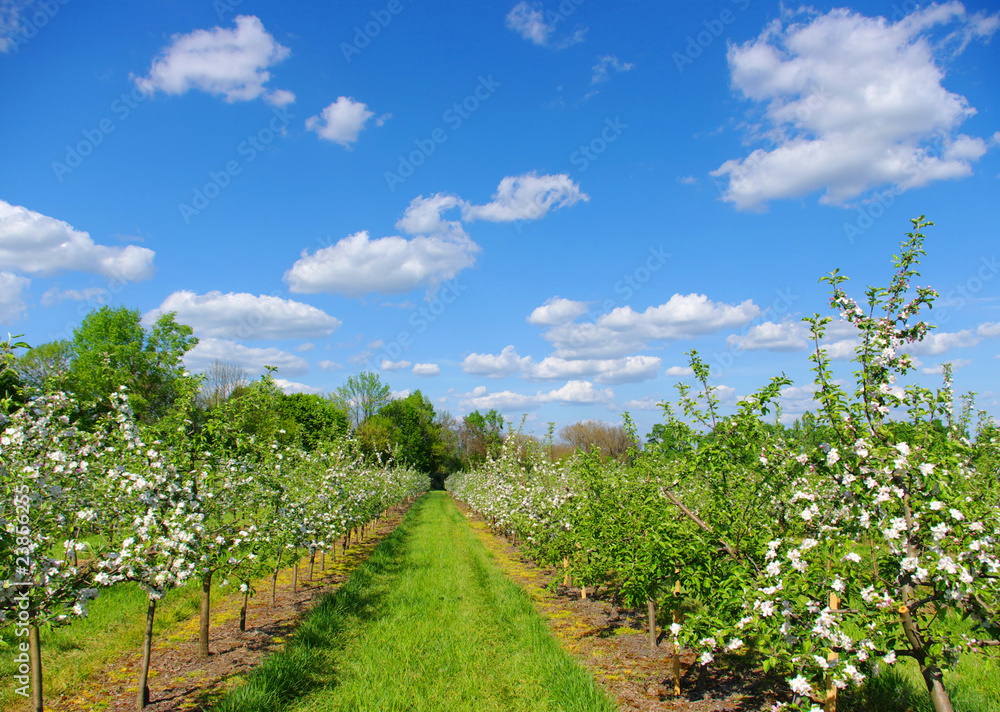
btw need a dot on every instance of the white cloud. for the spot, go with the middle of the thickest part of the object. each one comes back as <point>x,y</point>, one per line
<point>677,371</point>
<point>601,71</point>
<point>328,365</point>
<point>252,360</point>
<point>232,63</point>
<point>293,387</point>
<point>245,316</point>
<point>302,348</point>
<point>573,393</point>
<point>12,306</point>
<point>642,404</point>
<point>687,180</point>
<point>630,369</point>
<point>426,369</point>
<point>623,330</point>
<point>939,342</point>
<point>54,295</point>
<point>37,244</point>
<point>955,365</point>
<point>851,103</point>
<point>989,329</point>
<point>526,197</point>
<point>557,311</point>
<point>771,336</point>
<point>388,365</point>
<point>423,216</point>
<point>506,363</point>
<point>341,121</point>
<point>358,265</point>
<point>528,20</point>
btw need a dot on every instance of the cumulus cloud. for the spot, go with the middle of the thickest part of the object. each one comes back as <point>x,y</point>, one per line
<point>358,265</point>
<point>989,329</point>
<point>341,121</point>
<point>37,244</point>
<point>439,249</point>
<point>293,387</point>
<point>677,371</point>
<point>426,369</point>
<point>573,393</point>
<point>939,342</point>
<point>529,21</point>
<point>253,360</point>
<point>642,404</point>
<point>506,363</point>
<point>388,365</point>
<point>955,365</point>
<point>328,365</point>
<point>527,197</point>
<point>12,306</point>
<point>557,311</point>
<point>851,103</point>
<point>630,369</point>
<point>11,24</point>
<point>840,339</point>
<point>245,316</point>
<point>231,63</point>
<point>623,330</point>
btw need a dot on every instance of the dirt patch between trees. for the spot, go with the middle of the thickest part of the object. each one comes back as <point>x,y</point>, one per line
<point>181,681</point>
<point>614,645</point>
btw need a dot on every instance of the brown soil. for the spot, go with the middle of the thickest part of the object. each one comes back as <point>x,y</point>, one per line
<point>614,645</point>
<point>180,680</point>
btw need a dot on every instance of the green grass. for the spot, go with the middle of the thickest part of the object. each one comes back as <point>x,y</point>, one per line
<point>114,625</point>
<point>427,623</point>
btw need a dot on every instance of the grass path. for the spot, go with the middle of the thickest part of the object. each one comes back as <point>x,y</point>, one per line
<point>427,623</point>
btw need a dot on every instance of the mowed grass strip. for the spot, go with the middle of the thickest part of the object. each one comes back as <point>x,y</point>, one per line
<point>427,623</point>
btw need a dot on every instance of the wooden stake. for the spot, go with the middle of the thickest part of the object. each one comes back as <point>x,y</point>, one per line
<point>678,618</point>
<point>567,579</point>
<point>830,704</point>
<point>35,655</point>
<point>142,698</point>
<point>651,609</point>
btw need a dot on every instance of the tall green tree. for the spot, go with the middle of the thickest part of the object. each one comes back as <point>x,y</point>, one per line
<point>311,419</point>
<point>415,430</point>
<point>111,349</point>
<point>362,397</point>
<point>45,368</point>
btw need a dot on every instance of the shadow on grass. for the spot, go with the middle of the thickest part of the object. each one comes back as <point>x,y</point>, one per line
<point>305,663</point>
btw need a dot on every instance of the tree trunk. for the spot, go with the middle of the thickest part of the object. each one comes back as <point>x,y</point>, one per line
<point>206,594</point>
<point>651,609</point>
<point>142,698</point>
<point>312,563</point>
<point>322,560</point>
<point>243,610</point>
<point>295,576</point>
<point>35,655</point>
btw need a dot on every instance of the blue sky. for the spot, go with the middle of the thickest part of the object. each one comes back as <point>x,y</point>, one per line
<point>530,206</point>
